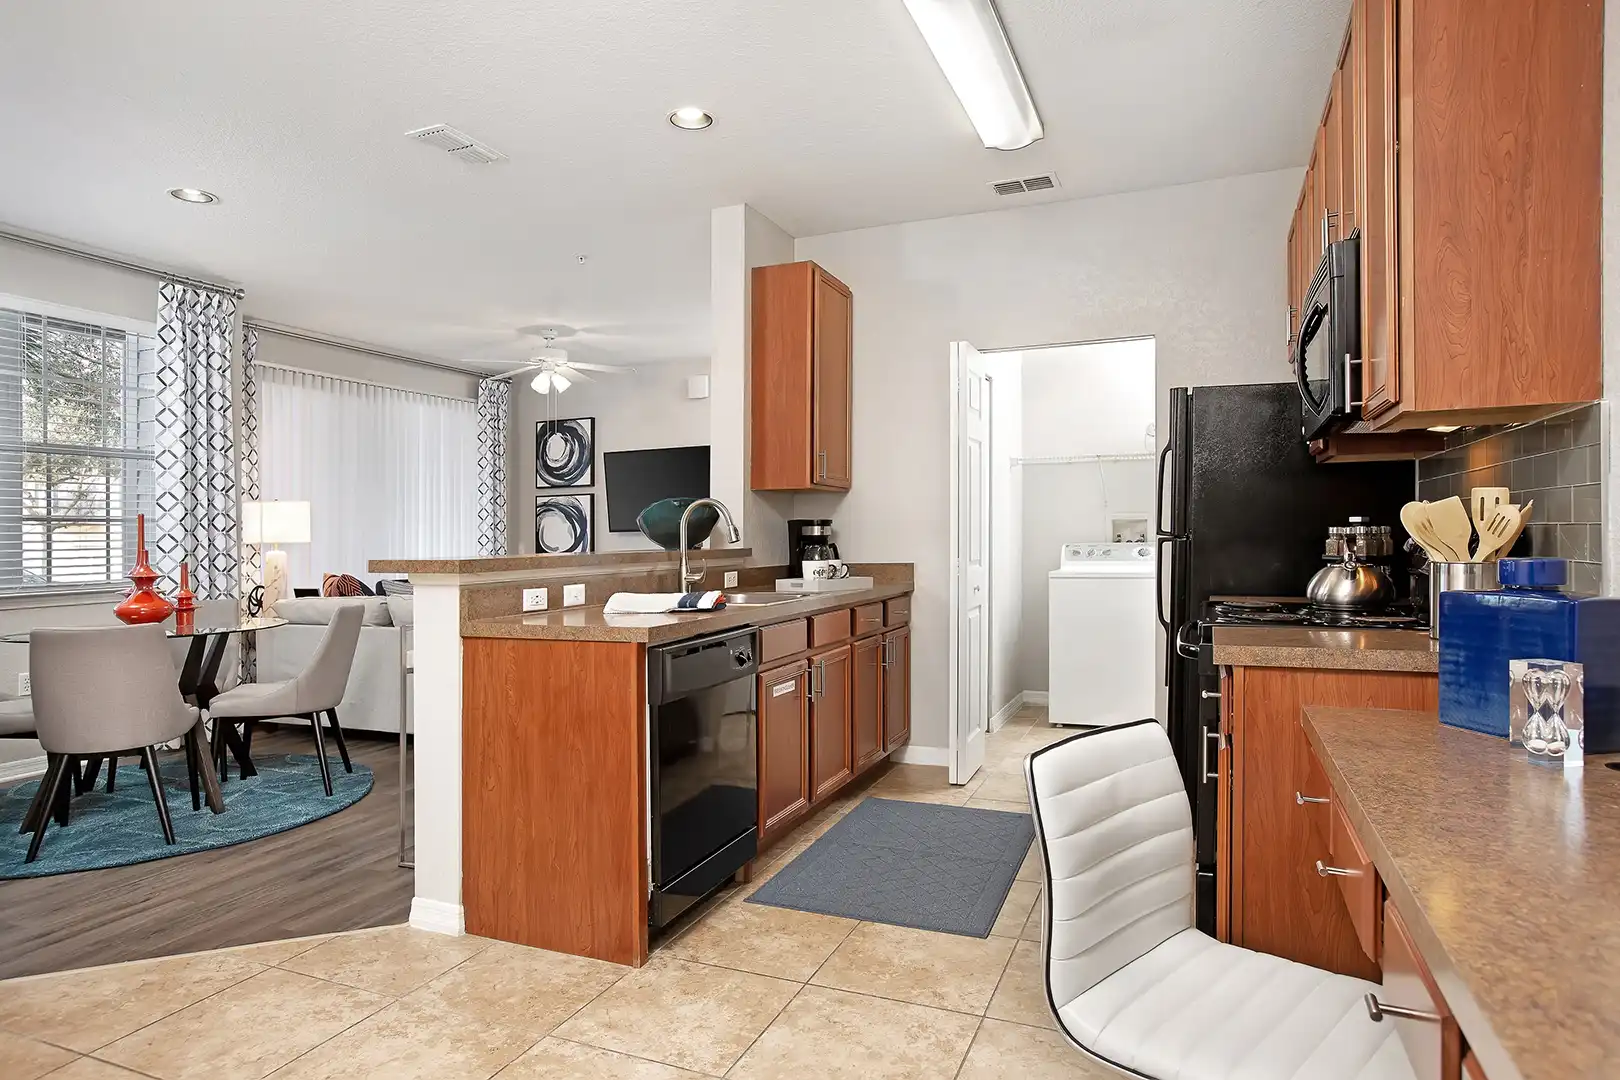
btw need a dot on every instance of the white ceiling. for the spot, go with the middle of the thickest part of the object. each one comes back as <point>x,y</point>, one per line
<point>831,115</point>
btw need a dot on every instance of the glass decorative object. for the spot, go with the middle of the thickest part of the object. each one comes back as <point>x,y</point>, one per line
<point>1545,706</point>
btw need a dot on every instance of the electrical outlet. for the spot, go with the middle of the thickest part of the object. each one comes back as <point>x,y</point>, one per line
<point>534,600</point>
<point>573,595</point>
<point>731,580</point>
<point>24,687</point>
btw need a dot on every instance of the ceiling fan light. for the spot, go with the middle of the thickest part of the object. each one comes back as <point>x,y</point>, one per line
<point>560,383</point>
<point>542,383</point>
<point>971,47</point>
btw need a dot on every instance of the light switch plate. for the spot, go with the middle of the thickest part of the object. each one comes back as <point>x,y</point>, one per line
<point>534,600</point>
<point>573,595</point>
<point>731,580</point>
<point>24,687</point>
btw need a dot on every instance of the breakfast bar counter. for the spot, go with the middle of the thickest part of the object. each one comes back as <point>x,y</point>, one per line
<point>1506,873</point>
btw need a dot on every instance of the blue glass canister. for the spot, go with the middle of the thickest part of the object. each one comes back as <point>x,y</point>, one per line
<point>1530,618</point>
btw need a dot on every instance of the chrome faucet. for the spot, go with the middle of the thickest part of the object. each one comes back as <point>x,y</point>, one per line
<point>688,579</point>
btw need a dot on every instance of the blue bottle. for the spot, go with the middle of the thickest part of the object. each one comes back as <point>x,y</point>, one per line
<point>1530,618</point>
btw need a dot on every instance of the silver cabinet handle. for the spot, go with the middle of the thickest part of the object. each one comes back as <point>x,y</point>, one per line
<point>1301,799</point>
<point>1207,694</point>
<point>821,458</point>
<point>1204,753</point>
<point>1333,871</point>
<point>887,644</point>
<point>1377,1010</point>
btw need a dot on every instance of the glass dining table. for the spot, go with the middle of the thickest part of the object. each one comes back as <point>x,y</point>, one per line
<point>200,683</point>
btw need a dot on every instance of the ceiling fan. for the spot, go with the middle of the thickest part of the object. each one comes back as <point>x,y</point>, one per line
<point>553,370</point>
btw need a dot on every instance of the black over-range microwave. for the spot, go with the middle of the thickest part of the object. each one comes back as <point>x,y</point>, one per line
<point>1327,352</point>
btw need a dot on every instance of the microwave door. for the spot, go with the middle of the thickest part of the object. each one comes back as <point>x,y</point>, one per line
<point>1312,366</point>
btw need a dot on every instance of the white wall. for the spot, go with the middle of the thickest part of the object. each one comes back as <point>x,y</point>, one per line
<point>1006,525</point>
<point>640,411</point>
<point>741,238</point>
<point>1096,398</point>
<point>1199,267</point>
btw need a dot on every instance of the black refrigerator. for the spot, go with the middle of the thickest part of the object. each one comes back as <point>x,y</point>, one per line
<point>1243,511</point>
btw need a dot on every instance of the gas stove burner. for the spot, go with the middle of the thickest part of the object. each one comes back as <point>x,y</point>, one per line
<point>1278,613</point>
<point>1364,620</point>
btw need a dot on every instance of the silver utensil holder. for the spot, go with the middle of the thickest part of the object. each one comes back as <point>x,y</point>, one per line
<point>1458,577</point>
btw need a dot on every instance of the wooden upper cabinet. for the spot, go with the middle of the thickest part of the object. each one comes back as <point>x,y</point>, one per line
<point>1373,32</point>
<point>802,379</point>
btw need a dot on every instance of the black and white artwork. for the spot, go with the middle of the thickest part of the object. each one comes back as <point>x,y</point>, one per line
<point>563,524</point>
<point>565,453</point>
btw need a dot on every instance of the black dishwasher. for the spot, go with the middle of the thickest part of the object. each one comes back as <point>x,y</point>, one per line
<point>702,715</point>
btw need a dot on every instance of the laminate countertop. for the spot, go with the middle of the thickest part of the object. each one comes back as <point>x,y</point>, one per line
<point>1507,873</point>
<point>591,624</point>
<point>1324,648</point>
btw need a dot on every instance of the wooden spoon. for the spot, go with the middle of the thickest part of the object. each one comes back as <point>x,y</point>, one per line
<point>1415,518</point>
<point>1504,523</point>
<point>1524,519</point>
<point>1449,520</point>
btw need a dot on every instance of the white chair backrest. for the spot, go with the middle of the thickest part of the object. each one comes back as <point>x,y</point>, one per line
<point>104,688</point>
<point>1116,836</point>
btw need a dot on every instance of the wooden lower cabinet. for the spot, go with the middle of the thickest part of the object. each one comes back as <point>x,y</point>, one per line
<point>896,688</point>
<point>784,747</point>
<point>1433,1043</point>
<point>1267,882</point>
<point>866,700</point>
<point>831,757</point>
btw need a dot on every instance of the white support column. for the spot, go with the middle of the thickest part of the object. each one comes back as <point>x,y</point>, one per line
<point>436,761</point>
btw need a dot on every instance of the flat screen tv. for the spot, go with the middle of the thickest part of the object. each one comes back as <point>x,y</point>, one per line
<point>638,478</point>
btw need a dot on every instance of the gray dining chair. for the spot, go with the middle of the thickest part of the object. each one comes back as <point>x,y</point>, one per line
<point>100,691</point>
<point>316,690</point>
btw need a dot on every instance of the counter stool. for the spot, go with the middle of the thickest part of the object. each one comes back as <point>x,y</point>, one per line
<point>1131,983</point>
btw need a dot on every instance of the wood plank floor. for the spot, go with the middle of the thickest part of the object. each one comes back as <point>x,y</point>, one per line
<point>339,873</point>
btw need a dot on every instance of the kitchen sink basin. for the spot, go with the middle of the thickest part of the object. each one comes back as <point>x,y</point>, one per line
<point>760,599</point>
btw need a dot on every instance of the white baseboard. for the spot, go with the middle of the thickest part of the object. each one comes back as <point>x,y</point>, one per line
<point>1006,712</point>
<point>22,769</point>
<point>922,755</point>
<point>438,917</point>
<point>1036,697</point>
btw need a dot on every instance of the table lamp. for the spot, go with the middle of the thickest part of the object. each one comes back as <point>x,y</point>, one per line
<point>275,522</point>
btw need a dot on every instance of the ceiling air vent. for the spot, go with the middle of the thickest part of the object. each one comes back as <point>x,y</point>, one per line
<point>1025,185</point>
<point>458,144</point>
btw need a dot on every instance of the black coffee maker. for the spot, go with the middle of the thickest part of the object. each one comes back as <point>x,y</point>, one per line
<point>809,539</point>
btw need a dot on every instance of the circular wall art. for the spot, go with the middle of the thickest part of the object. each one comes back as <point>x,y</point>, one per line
<point>562,524</point>
<point>565,453</point>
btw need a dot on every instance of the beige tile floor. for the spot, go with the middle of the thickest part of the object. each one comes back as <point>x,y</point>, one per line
<point>741,990</point>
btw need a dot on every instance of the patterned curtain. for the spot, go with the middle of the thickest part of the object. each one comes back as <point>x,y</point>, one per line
<point>248,452</point>
<point>196,496</point>
<point>494,405</point>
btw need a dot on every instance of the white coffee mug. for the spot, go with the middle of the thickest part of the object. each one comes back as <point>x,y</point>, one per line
<point>826,569</point>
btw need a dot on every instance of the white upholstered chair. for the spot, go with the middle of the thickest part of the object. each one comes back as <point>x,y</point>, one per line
<point>1130,981</point>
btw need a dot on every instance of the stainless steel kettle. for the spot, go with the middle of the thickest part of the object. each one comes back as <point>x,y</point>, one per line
<point>1351,585</point>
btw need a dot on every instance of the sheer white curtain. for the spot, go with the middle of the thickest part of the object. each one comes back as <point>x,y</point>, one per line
<point>387,473</point>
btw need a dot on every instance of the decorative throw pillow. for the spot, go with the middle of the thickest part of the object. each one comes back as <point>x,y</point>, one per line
<point>343,585</point>
<point>391,587</point>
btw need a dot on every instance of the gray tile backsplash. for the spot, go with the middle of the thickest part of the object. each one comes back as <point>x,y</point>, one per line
<point>1558,462</point>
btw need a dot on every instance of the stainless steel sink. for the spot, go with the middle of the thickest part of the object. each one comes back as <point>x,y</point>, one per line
<point>760,599</point>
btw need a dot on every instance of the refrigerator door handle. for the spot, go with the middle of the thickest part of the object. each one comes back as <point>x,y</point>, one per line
<point>1161,584</point>
<point>1164,459</point>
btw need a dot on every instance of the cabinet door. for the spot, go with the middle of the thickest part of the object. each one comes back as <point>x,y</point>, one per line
<point>1345,105</point>
<point>784,746</point>
<point>897,688</point>
<point>1374,29</point>
<point>830,759</point>
<point>1330,145</point>
<point>866,700</point>
<point>831,393</point>
<point>1434,1045</point>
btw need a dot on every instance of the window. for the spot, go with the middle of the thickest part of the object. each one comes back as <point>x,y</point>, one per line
<point>76,434</point>
<point>387,473</point>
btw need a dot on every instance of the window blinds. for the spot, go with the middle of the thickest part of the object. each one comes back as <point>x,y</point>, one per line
<point>77,424</point>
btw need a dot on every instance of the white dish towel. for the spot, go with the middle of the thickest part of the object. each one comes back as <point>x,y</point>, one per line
<point>627,603</point>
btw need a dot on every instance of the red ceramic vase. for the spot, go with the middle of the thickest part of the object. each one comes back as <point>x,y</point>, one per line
<point>144,604</point>
<point>185,603</point>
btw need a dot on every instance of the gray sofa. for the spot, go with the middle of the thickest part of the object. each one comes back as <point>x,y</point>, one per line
<point>372,700</point>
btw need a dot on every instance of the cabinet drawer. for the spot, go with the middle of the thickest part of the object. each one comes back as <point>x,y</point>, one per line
<point>897,611</point>
<point>1472,1069</point>
<point>1432,1042</point>
<point>829,629</point>
<point>1359,884</point>
<point>868,619</point>
<point>783,639</point>
<point>1319,812</point>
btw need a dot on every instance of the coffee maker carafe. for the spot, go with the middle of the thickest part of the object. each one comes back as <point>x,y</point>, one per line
<point>809,540</point>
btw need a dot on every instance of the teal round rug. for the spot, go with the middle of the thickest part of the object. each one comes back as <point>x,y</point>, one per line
<point>122,828</point>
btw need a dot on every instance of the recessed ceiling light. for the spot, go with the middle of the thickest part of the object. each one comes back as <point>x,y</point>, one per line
<point>691,118</point>
<point>193,195</point>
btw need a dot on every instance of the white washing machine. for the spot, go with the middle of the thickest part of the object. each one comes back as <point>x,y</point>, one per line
<point>1102,644</point>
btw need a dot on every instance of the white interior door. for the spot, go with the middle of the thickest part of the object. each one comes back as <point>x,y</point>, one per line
<point>970,560</point>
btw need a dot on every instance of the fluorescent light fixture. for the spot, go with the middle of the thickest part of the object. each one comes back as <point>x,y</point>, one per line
<point>971,47</point>
<point>1445,429</point>
<point>193,195</point>
<point>691,118</point>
